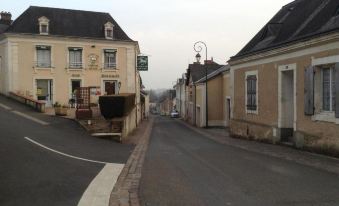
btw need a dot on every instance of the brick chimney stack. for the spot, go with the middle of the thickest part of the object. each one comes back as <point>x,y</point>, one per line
<point>5,18</point>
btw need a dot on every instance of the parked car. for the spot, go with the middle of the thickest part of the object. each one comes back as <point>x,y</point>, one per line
<point>174,114</point>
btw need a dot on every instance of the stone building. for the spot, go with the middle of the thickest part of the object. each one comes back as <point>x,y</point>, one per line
<point>286,79</point>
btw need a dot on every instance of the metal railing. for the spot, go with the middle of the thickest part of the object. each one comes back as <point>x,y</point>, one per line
<point>75,65</point>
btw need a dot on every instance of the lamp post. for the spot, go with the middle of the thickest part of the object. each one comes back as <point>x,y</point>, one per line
<point>198,46</point>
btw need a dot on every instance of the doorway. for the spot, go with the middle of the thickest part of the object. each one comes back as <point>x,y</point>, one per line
<point>44,91</point>
<point>198,117</point>
<point>287,105</point>
<point>110,87</point>
<point>228,112</point>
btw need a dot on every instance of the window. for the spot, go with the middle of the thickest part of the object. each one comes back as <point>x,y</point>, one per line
<point>44,25</point>
<point>75,58</point>
<point>328,92</point>
<point>43,54</point>
<point>251,92</point>
<point>109,30</point>
<point>110,59</point>
<point>109,33</point>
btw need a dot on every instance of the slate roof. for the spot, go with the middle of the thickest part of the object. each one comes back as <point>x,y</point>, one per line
<point>66,22</point>
<point>197,71</point>
<point>297,21</point>
<point>215,73</point>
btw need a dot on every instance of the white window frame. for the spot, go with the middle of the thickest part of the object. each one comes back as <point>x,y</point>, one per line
<point>82,58</point>
<point>324,116</point>
<point>43,21</point>
<point>109,27</point>
<point>103,60</point>
<point>331,68</point>
<point>36,57</point>
<point>252,73</point>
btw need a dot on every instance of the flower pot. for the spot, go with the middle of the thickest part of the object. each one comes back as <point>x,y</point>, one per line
<point>60,111</point>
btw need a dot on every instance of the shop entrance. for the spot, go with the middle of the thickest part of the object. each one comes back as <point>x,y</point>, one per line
<point>44,91</point>
<point>110,87</point>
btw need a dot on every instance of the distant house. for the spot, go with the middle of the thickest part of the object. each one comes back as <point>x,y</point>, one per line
<point>180,98</point>
<point>195,94</point>
<point>167,102</point>
<point>218,98</point>
<point>286,79</point>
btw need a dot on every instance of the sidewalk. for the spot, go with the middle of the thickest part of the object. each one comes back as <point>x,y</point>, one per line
<point>126,190</point>
<point>222,136</point>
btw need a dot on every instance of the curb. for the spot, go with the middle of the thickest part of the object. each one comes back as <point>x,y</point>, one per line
<point>126,189</point>
<point>306,161</point>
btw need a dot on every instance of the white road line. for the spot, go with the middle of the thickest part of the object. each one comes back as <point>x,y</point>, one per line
<point>5,107</point>
<point>64,154</point>
<point>31,118</point>
<point>99,191</point>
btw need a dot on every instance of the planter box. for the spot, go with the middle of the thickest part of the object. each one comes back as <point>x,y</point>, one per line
<point>60,111</point>
<point>116,106</point>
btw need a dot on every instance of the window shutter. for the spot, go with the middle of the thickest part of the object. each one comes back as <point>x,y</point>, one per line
<point>309,91</point>
<point>337,90</point>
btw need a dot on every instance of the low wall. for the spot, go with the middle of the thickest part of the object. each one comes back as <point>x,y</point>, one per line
<point>271,134</point>
<point>37,105</point>
<point>247,130</point>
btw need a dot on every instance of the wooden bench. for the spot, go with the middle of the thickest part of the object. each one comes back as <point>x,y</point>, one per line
<point>36,104</point>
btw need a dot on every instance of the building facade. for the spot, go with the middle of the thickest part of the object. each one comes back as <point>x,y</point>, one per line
<point>196,93</point>
<point>48,53</point>
<point>286,79</point>
<point>218,98</point>
<point>180,88</point>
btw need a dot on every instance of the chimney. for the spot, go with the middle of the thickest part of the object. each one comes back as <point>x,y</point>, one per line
<point>6,18</point>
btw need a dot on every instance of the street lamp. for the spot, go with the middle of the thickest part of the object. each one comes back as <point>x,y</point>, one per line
<point>198,46</point>
<point>198,57</point>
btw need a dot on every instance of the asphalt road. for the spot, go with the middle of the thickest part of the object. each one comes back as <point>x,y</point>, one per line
<point>33,175</point>
<point>182,167</point>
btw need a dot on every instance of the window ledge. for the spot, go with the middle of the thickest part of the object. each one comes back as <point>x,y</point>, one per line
<point>252,112</point>
<point>75,69</point>
<point>325,117</point>
<point>109,69</point>
<point>43,68</point>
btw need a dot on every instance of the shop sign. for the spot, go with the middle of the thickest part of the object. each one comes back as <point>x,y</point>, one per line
<point>142,63</point>
<point>110,76</point>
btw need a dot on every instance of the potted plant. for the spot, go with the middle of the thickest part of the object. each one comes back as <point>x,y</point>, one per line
<point>60,110</point>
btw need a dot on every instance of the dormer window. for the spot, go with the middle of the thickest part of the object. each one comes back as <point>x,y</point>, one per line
<point>43,25</point>
<point>109,30</point>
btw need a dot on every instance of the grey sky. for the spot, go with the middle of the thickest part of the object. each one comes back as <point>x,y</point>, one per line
<point>167,29</point>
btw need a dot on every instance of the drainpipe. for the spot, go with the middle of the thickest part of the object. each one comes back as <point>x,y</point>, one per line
<point>195,105</point>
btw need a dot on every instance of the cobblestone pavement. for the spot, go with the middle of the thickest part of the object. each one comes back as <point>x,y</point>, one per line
<point>125,192</point>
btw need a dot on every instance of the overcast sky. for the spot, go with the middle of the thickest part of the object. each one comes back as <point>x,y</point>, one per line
<point>167,29</point>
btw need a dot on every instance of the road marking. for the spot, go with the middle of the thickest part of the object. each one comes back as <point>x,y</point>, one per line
<point>64,154</point>
<point>31,118</point>
<point>99,191</point>
<point>5,107</point>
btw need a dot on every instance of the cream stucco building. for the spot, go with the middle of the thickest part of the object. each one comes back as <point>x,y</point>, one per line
<point>48,53</point>
<point>285,81</point>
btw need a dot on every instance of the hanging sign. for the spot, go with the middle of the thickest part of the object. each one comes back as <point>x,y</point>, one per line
<point>142,63</point>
